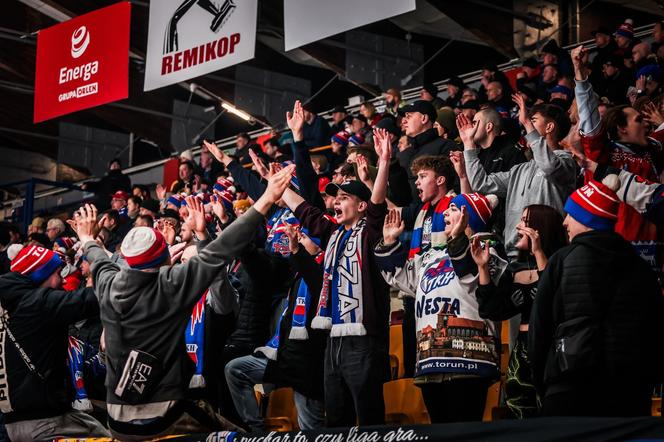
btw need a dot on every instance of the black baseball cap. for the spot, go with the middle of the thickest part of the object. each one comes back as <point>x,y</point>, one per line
<point>339,109</point>
<point>151,205</point>
<point>602,30</point>
<point>351,187</point>
<point>169,213</point>
<point>456,81</point>
<point>389,125</point>
<point>423,107</point>
<point>470,104</point>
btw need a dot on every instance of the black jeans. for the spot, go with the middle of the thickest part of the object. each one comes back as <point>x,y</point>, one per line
<point>458,400</point>
<point>355,369</point>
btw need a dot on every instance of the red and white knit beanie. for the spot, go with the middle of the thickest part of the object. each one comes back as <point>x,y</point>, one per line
<point>36,262</point>
<point>144,248</point>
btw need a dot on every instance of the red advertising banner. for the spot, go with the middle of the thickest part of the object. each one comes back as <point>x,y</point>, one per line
<point>83,62</point>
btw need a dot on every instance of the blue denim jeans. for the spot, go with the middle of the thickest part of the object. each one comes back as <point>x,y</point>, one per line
<point>245,372</point>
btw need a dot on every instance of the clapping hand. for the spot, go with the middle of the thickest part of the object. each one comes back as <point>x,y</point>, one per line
<point>467,130</point>
<point>196,216</point>
<point>259,165</point>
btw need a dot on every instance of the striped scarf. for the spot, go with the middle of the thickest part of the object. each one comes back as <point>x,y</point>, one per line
<point>340,307</point>
<point>270,349</point>
<point>298,330</point>
<point>438,239</point>
<point>194,338</point>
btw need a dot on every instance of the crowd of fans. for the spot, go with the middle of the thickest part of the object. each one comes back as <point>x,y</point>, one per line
<point>538,201</point>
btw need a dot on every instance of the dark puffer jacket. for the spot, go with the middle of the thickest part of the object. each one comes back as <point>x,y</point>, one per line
<point>599,275</point>
<point>39,319</point>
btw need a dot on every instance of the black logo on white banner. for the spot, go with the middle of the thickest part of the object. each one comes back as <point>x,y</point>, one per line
<point>219,16</point>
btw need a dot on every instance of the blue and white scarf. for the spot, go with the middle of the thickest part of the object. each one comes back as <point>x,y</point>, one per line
<point>270,349</point>
<point>79,356</point>
<point>194,338</point>
<point>340,306</point>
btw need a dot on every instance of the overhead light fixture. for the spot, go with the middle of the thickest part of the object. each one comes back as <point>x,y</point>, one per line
<point>235,111</point>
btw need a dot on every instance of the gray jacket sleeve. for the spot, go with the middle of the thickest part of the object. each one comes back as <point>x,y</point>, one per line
<point>559,169</point>
<point>588,106</point>
<point>194,277</point>
<point>480,181</point>
<point>102,267</point>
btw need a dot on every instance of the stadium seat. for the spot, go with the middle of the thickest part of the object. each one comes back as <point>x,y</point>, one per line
<point>404,404</point>
<point>281,412</point>
<point>657,406</point>
<point>397,368</point>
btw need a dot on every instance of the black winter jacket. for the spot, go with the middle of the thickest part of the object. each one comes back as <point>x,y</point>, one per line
<point>599,275</point>
<point>39,319</point>
<point>299,364</point>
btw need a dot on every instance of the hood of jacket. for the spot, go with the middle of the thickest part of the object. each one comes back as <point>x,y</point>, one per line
<point>13,286</point>
<point>610,245</point>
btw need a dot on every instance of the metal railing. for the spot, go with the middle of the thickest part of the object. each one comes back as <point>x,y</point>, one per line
<point>145,173</point>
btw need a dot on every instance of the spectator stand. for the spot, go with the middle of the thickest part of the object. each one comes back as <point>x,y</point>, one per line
<point>23,216</point>
<point>151,173</point>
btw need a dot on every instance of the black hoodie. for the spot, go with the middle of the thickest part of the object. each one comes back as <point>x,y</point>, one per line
<point>600,275</point>
<point>39,319</point>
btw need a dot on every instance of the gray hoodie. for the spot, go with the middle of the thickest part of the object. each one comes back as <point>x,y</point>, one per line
<point>547,179</point>
<point>151,310</point>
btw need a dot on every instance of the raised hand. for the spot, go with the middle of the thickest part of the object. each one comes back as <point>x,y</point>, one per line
<point>216,152</point>
<point>161,192</point>
<point>276,186</point>
<point>218,208</point>
<point>363,170</point>
<point>274,168</point>
<point>459,163</point>
<point>393,227</point>
<point>641,83</point>
<point>652,114</point>
<point>460,224</point>
<point>295,121</point>
<point>382,145</point>
<point>196,216</point>
<point>168,230</point>
<point>480,254</point>
<point>578,55</point>
<point>520,101</point>
<point>85,223</point>
<point>259,164</point>
<point>467,131</point>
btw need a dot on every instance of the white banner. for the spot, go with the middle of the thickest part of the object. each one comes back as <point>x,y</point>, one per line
<point>306,21</point>
<point>189,38</point>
